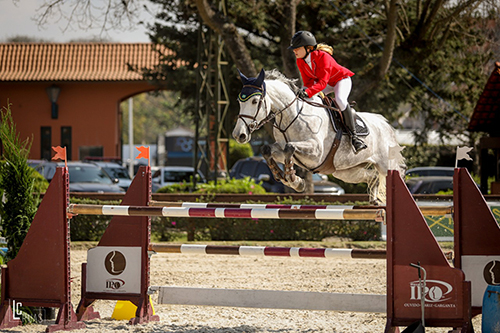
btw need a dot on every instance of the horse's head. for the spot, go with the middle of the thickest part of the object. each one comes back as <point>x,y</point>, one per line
<point>253,108</point>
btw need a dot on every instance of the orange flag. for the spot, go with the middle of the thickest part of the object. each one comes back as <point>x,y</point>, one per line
<point>144,152</point>
<point>60,153</point>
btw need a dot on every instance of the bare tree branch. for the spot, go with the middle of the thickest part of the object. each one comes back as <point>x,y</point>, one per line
<point>234,41</point>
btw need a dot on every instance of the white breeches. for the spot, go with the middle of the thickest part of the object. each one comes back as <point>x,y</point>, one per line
<point>342,90</point>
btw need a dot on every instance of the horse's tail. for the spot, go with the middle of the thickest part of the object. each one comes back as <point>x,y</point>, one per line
<point>377,189</point>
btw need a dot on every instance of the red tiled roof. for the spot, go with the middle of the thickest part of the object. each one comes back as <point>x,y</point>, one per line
<point>486,116</point>
<point>74,61</point>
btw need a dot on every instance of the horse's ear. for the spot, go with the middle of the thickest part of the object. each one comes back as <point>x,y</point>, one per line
<point>260,79</point>
<point>243,78</point>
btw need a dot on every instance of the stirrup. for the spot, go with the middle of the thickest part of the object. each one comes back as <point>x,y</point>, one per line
<point>357,144</point>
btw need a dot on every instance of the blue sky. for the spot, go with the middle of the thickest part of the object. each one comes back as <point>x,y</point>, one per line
<point>16,18</point>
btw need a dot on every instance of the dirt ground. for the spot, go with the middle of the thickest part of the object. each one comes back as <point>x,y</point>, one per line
<point>272,273</point>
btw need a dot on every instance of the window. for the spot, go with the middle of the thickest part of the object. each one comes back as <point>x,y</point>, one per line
<point>66,140</point>
<point>46,143</point>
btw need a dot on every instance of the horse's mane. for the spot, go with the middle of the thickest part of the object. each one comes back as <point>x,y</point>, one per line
<point>275,74</point>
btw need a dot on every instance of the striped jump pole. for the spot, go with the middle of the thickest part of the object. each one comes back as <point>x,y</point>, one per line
<point>270,251</point>
<point>426,210</point>
<point>256,213</point>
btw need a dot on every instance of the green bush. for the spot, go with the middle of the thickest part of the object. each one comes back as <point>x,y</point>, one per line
<point>238,151</point>
<point>245,185</point>
<point>40,184</point>
<point>18,206</point>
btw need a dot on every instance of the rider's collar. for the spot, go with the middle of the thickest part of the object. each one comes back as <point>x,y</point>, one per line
<point>249,91</point>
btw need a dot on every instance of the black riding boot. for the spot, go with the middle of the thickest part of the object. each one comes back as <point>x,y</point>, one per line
<point>357,143</point>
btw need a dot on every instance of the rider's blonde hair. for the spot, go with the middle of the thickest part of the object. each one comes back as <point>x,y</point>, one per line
<point>322,47</point>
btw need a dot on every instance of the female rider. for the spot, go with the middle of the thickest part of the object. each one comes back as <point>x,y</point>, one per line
<point>320,72</point>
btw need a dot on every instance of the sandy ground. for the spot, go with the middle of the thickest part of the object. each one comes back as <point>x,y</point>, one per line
<point>304,274</point>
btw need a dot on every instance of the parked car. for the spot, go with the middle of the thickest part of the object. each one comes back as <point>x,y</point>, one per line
<point>83,177</point>
<point>430,171</point>
<point>257,169</point>
<point>116,171</point>
<point>429,185</point>
<point>170,175</point>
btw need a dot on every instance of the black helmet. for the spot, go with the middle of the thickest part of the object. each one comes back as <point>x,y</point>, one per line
<point>302,38</point>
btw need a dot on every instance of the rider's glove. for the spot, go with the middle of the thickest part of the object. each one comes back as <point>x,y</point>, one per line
<point>302,93</point>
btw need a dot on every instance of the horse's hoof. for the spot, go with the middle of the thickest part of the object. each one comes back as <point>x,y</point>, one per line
<point>301,187</point>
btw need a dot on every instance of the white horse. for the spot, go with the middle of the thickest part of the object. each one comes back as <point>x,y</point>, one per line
<point>304,135</point>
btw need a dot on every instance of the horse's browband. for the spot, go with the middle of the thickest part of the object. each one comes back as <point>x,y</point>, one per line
<point>247,97</point>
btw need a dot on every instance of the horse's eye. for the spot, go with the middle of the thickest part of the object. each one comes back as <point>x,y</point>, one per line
<point>254,101</point>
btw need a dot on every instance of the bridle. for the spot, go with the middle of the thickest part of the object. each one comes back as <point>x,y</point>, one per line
<point>253,125</point>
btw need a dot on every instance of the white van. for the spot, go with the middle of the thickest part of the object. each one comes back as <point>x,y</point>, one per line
<point>170,175</point>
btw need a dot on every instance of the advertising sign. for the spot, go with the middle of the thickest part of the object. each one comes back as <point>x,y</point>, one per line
<point>114,270</point>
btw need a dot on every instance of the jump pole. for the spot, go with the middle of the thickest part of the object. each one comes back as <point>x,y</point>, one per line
<point>476,237</point>
<point>268,251</point>
<point>262,213</point>
<point>426,210</point>
<point>40,273</point>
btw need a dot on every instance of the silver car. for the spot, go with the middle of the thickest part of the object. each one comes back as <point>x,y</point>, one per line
<point>83,177</point>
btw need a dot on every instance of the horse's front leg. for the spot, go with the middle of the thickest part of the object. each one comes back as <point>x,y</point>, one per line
<point>267,153</point>
<point>297,183</point>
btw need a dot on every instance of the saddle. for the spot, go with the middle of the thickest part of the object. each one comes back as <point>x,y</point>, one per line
<point>336,118</point>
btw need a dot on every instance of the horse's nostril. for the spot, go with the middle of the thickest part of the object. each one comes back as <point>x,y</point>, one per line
<point>243,137</point>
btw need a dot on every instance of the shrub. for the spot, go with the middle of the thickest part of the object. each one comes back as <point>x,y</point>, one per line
<point>238,151</point>
<point>245,185</point>
<point>19,206</point>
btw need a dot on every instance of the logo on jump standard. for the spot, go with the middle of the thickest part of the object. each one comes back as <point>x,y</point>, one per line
<point>115,264</point>
<point>436,294</point>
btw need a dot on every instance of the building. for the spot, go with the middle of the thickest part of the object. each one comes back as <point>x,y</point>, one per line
<point>70,94</point>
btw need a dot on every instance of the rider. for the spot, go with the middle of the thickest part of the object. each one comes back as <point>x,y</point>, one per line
<point>320,72</point>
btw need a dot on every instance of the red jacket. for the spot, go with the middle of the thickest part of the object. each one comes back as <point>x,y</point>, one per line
<point>325,70</point>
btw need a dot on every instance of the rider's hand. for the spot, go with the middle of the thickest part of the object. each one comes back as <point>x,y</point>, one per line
<point>302,93</point>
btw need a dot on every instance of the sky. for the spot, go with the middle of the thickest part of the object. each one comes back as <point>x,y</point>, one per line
<point>16,18</point>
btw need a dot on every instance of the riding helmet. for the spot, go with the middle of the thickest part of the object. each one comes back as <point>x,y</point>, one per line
<point>302,38</point>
